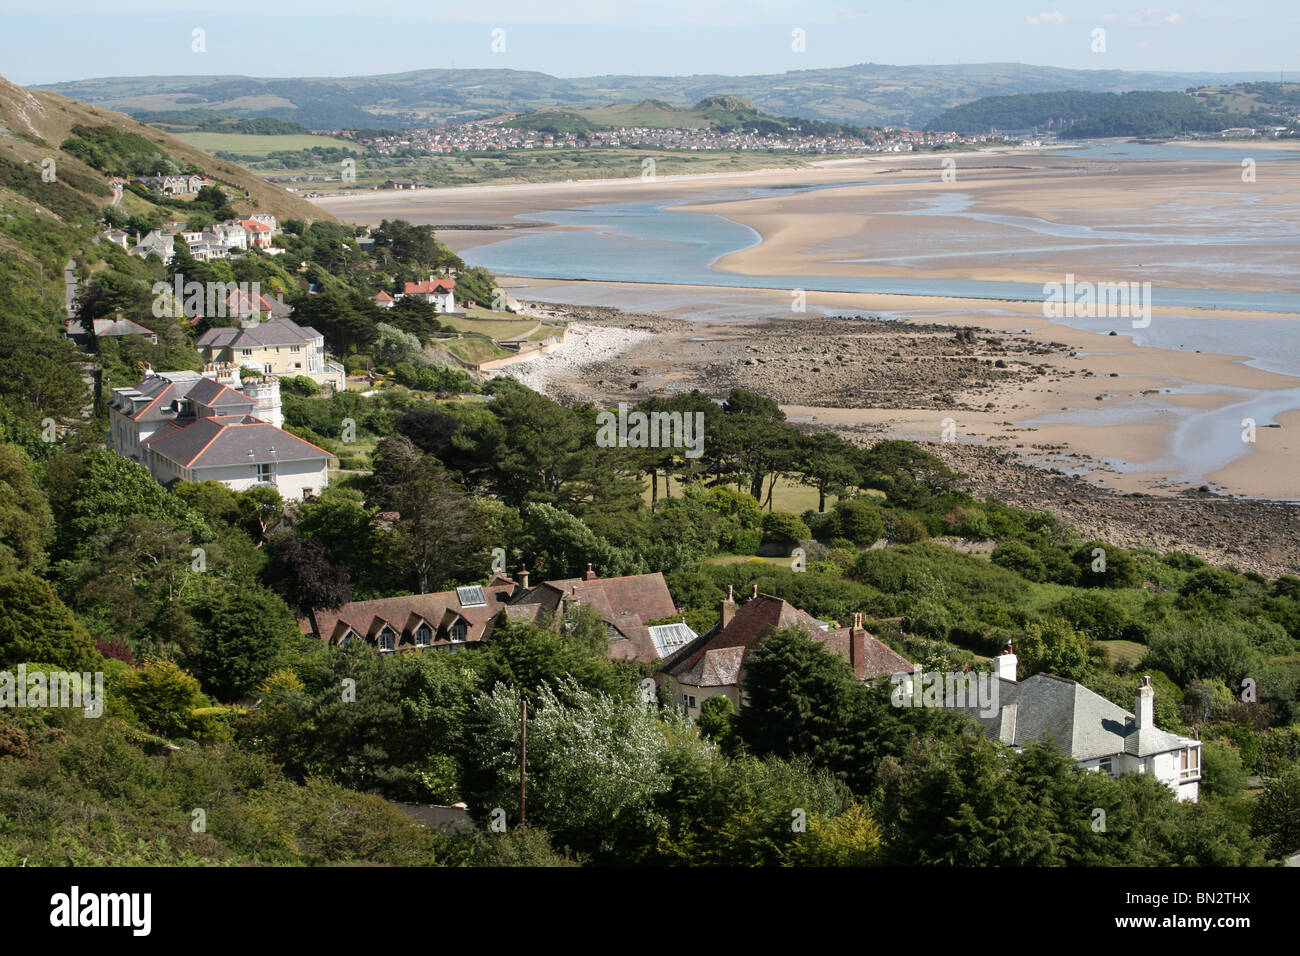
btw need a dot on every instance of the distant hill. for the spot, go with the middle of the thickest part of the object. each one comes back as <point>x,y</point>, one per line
<point>866,94</point>
<point>1076,114</point>
<point>723,113</point>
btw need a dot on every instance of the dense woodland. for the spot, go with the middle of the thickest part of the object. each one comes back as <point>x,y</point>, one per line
<point>188,600</point>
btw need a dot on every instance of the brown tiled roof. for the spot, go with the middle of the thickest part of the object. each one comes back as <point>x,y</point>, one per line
<point>718,656</point>
<point>871,658</point>
<point>645,595</point>
<point>753,621</point>
<point>439,609</point>
<point>624,604</point>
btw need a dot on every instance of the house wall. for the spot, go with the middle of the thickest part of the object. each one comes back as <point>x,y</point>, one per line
<point>1164,767</point>
<point>701,694</point>
<point>309,360</point>
<point>292,478</point>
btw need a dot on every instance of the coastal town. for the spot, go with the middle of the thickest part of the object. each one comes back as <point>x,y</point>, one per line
<point>563,457</point>
<point>488,136</point>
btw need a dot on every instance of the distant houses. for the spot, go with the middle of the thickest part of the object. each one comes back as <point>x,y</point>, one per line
<point>438,292</point>
<point>177,185</point>
<point>221,241</point>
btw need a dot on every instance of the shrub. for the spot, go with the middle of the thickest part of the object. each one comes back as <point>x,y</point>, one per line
<point>1102,565</point>
<point>785,529</point>
<point>1020,558</point>
<point>905,529</point>
<point>859,521</point>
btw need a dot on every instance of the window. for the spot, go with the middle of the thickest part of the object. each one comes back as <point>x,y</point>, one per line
<point>295,348</point>
<point>458,631</point>
<point>266,472</point>
<point>1107,766</point>
<point>387,640</point>
<point>690,701</point>
<point>245,351</point>
<point>422,635</point>
<point>1189,763</point>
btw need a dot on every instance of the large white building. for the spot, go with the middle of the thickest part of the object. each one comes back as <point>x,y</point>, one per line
<point>183,426</point>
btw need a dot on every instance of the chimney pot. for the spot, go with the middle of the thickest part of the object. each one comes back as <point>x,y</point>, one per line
<point>1005,665</point>
<point>755,594</point>
<point>1145,707</point>
<point>523,577</point>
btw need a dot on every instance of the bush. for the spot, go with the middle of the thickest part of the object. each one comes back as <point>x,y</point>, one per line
<point>905,529</point>
<point>1020,558</point>
<point>784,529</point>
<point>859,521</point>
<point>164,697</point>
<point>1102,565</point>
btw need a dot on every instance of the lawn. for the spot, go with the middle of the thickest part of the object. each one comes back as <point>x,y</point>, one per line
<point>788,496</point>
<point>1130,652</point>
<point>495,328</point>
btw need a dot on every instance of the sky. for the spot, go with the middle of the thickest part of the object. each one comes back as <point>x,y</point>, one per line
<point>59,40</point>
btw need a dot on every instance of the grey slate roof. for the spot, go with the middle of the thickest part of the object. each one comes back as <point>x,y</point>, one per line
<point>1076,720</point>
<point>228,439</point>
<point>273,332</point>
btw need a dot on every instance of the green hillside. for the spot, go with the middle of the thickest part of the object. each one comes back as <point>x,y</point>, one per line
<point>865,94</point>
<point>722,113</point>
<point>1076,114</point>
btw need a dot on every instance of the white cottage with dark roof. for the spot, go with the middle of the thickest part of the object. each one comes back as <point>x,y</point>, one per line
<point>1095,733</point>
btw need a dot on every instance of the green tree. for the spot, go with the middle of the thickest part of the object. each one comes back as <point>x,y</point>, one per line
<point>26,523</point>
<point>36,626</point>
<point>243,635</point>
<point>1277,813</point>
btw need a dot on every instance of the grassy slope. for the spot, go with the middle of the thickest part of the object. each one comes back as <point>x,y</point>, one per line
<point>247,144</point>
<point>35,123</point>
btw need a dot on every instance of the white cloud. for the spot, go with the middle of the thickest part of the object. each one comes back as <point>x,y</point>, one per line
<point>1154,17</point>
<point>1037,18</point>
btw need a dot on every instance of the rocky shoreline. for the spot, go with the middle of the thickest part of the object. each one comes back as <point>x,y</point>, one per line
<point>870,363</point>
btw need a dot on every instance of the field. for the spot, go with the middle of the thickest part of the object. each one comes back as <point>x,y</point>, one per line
<point>536,166</point>
<point>788,496</point>
<point>259,147</point>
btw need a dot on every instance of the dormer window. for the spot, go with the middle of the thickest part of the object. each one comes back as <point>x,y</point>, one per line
<point>458,632</point>
<point>387,641</point>
<point>423,636</point>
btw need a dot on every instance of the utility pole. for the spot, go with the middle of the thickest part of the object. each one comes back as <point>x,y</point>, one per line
<point>523,759</point>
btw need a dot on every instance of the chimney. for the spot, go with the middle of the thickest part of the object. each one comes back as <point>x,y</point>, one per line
<point>523,578</point>
<point>590,575</point>
<point>755,594</point>
<point>857,642</point>
<point>728,607</point>
<point>1005,664</point>
<point>1007,725</point>
<point>1145,708</point>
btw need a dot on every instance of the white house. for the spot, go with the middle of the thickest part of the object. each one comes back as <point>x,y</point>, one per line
<point>440,293</point>
<point>183,426</point>
<point>1097,734</point>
